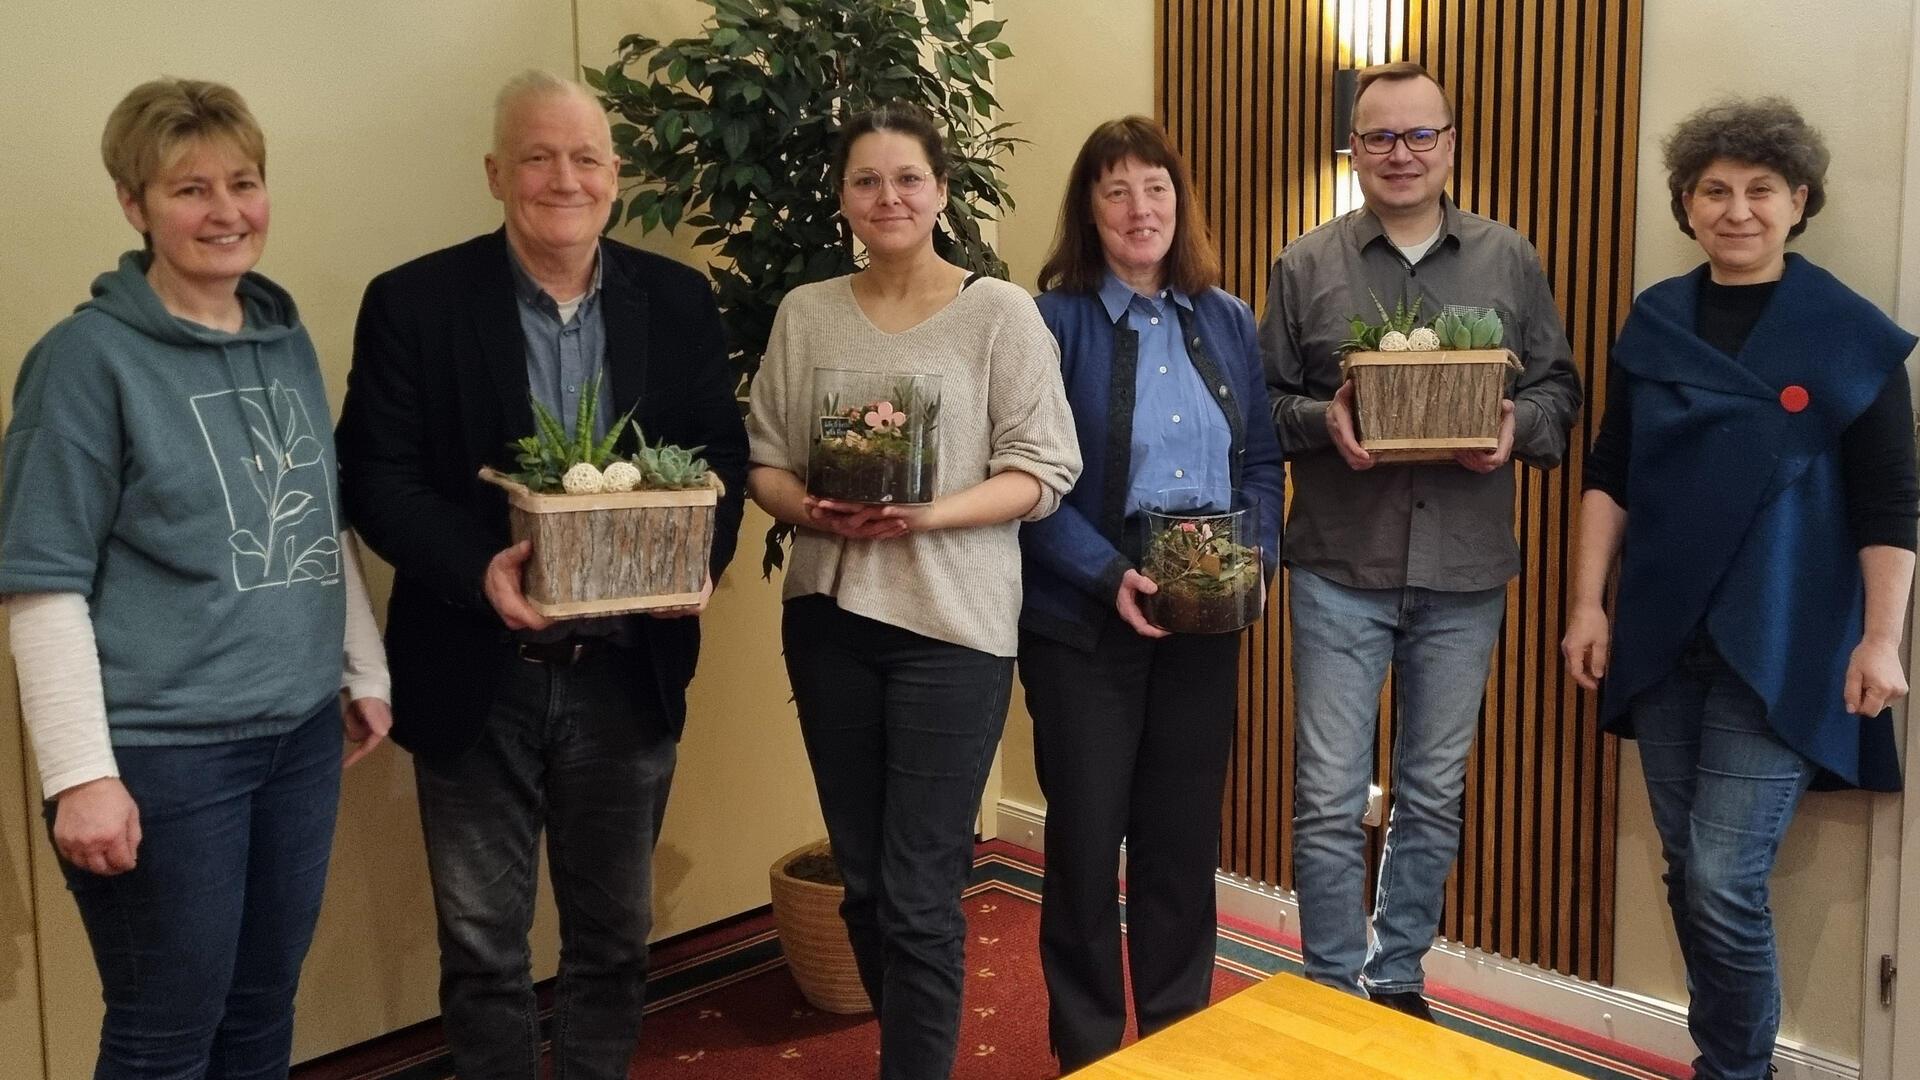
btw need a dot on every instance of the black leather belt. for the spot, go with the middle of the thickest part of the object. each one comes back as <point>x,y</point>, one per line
<point>557,653</point>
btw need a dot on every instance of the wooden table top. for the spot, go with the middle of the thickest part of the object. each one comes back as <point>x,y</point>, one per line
<point>1290,1027</point>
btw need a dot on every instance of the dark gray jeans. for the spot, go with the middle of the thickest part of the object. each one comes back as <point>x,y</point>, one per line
<point>572,750</point>
<point>900,730</point>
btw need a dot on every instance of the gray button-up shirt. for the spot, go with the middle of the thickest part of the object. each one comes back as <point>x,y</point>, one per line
<point>1432,526</point>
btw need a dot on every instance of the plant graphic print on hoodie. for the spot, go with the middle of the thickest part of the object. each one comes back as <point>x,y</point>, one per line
<point>183,480</point>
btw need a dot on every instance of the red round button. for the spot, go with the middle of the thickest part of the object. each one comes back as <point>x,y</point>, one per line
<point>1793,398</point>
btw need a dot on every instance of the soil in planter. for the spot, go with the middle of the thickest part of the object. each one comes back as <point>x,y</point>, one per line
<point>1184,609</point>
<point>817,867</point>
<point>868,476</point>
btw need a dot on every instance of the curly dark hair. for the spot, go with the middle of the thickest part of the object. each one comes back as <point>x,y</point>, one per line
<point>1768,132</point>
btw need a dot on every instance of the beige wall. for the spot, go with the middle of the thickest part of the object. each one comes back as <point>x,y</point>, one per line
<point>1762,47</point>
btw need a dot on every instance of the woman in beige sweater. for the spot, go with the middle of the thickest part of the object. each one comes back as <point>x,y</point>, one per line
<point>901,620</point>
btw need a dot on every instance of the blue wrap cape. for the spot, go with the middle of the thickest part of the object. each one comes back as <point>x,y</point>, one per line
<point>1737,510</point>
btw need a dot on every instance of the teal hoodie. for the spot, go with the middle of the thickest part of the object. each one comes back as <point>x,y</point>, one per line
<point>183,480</point>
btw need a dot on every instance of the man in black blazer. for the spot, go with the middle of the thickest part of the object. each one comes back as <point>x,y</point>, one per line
<point>517,724</point>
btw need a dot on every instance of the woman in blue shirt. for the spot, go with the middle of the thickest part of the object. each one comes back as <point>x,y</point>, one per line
<point>1133,724</point>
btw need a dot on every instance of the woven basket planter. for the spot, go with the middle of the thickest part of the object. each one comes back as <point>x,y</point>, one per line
<point>814,938</point>
<point>1423,406</point>
<point>614,552</point>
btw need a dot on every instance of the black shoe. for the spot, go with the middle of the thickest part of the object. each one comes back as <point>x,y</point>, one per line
<point>1408,1002</point>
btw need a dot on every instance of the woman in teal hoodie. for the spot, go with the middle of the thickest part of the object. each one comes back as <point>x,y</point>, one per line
<point>185,609</point>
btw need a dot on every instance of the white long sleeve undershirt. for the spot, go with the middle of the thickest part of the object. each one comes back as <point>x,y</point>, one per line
<point>64,702</point>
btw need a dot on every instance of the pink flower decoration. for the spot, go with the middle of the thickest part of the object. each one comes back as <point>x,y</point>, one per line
<point>882,417</point>
<point>1188,526</point>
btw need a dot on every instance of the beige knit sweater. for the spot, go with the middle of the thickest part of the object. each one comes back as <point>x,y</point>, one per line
<point>1001,407</point>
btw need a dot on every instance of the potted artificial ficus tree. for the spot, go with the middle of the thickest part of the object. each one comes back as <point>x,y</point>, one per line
<point>611,533</point>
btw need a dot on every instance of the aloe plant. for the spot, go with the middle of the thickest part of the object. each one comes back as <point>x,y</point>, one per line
<point>548,455</point>
<point>1363,336</point>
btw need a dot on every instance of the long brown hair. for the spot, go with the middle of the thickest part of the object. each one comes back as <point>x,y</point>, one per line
<point>1077,262</point>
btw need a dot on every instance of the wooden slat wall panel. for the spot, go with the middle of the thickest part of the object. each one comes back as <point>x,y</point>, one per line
<point>1547,93</point>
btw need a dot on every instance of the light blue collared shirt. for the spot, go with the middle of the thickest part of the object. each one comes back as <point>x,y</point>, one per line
<point>563,358</point>
<point>1181,439</point>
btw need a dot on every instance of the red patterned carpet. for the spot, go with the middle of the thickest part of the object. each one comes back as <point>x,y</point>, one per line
<point>759,1026</point>
<point>721,1006</point>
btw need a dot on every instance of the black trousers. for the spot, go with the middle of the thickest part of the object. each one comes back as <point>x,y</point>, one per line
<point>1131,743</point>
<point>900,732</point>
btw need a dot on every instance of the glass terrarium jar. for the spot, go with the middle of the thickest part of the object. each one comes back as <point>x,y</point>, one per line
<point>1207,562</point>
<point>875,436</point>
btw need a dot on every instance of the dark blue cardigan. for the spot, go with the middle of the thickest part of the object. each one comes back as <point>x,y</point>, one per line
<point>1072,561</point>
<point>1738,517</point>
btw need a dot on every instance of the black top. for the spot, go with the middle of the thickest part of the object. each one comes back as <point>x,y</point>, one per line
<point>1876,450</point>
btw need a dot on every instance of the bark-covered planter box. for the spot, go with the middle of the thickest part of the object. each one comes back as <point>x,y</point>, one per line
<point>1423,406</point>
<point>1207,565</point>
<point>875,438</point>
<point>613,551</point>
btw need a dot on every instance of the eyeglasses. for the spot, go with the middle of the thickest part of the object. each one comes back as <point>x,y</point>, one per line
<point>867,185</point>
<point>1417,139</point>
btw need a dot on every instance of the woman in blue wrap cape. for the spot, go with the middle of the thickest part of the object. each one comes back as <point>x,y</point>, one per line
<point>1754,476</point>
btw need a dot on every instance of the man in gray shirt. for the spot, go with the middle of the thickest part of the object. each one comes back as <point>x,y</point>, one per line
<point>1396,564</point>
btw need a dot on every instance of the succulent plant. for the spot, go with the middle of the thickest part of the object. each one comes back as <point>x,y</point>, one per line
<point>1363,336</point>
<point>551,461</point>
<point>1469,329</point>
<point>668,468</point>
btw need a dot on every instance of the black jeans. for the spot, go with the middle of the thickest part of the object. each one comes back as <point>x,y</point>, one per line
<point>573,750</point>
<point>1130,743</point>
<point>900,730</point>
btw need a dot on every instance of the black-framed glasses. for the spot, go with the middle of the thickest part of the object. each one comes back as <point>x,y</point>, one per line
<point>1417,139</point>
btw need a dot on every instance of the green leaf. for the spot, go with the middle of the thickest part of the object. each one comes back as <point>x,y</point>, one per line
<point>735,139</point>
<point>986,31</point>
<point>999,49</point>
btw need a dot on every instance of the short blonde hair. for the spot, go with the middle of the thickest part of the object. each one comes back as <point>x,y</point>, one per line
<point>155,123</point>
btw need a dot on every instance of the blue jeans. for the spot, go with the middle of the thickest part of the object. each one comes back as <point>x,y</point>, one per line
<point>199,946</point>
<point>1723,789</point>
<point>1439,644</point>
<point>900,731</point>
<point>574,751</point>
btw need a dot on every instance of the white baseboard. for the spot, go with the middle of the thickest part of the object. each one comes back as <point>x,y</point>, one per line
<point>1658,1027</point>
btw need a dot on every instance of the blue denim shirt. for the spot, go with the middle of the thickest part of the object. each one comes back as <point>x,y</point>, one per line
<point>563,359</point>
<point>1180,437</point>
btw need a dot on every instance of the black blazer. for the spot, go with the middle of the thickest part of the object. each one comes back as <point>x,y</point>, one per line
<point>438,389</point>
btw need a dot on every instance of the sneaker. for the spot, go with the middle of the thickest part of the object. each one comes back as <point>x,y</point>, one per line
<point>1409,1002</point>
